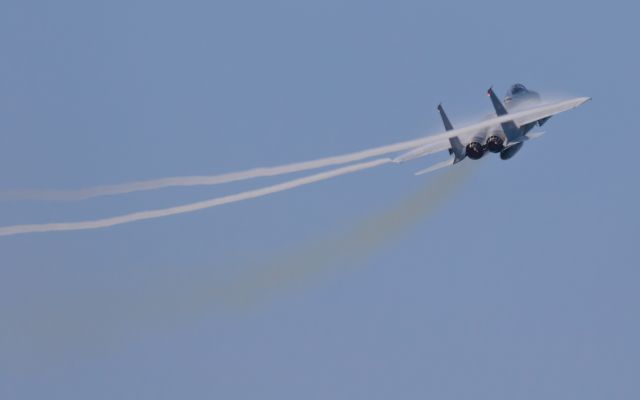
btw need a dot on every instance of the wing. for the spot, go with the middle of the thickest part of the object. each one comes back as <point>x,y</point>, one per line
<point>440,142</point>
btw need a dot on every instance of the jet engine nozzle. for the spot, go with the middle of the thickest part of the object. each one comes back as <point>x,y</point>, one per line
<point>495,144</point>
<point>475,150</point>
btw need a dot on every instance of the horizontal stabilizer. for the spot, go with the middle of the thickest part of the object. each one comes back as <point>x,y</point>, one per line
<point>443,164</point>
<point>457,149</point>
<point>534,135</point>
<point>528,136</point>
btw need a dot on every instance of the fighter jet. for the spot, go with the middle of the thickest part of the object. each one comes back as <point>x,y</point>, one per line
<point>504,133</point>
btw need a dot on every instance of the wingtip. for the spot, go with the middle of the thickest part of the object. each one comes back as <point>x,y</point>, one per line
<point>583,100</point>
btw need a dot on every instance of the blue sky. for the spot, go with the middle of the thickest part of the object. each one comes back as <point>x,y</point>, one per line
<point>519,281</point>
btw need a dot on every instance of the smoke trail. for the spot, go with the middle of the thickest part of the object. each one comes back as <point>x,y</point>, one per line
<point>78,322</point>
<point>260,281</point>
<point>143,215</point>
<point>86,193</point>
<point>343,250</point>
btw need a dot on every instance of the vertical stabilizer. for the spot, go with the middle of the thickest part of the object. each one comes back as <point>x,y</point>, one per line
<point>445,119</point>
<point>457,149</point>
<point>509,128</point>
<point>497,104</point>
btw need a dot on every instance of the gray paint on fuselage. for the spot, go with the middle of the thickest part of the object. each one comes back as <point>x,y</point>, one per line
<point>518,97</point>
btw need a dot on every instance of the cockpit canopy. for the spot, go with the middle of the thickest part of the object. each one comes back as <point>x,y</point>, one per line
<point>518,95</point>
<point>516,89</point>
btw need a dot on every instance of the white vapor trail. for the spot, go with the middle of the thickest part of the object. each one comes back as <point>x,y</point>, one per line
<point>524,116</point>
<point>151,214</point>
<point>86,193</point>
